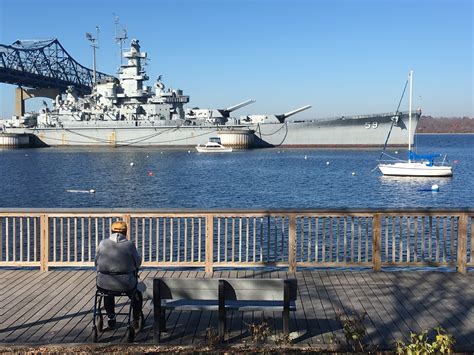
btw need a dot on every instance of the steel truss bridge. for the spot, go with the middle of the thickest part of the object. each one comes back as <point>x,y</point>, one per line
<point>44,64</point>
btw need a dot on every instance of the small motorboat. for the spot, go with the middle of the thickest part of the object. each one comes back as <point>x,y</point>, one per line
<point>214,145</point>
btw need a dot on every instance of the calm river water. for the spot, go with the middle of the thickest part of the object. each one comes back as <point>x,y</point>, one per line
<point>267,178</point>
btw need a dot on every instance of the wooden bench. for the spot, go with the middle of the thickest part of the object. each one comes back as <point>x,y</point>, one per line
<point>222,295</point>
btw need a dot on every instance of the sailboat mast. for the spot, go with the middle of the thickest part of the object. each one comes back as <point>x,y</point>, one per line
<point>409,115</point>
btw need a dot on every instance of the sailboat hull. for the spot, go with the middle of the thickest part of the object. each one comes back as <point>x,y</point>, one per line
<point>415,169</point>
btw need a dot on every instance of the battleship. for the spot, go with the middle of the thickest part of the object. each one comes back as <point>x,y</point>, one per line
<point>124,111</point>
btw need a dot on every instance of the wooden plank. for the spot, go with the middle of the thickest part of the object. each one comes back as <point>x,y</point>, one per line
<point>422,299</point>
<point>395,301</point>
<point>324,309</point>
<point>340,302</point>
<point>377,310</point>
<point>447,311</point>
<point>312,308</point>
<point>80,315</point>
<point>16,303</point>
<point>400,301</point>
<point>82,326</point>
<point>359,303</point>
<point>18,279</point>
<point>42,319</point>
<point>19,312</point>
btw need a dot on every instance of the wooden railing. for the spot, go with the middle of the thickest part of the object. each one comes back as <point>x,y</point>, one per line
<point>209,239</point>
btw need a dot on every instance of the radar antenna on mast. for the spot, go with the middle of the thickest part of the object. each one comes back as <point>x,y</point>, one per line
<point>120,35</point>
<point>95,45</point>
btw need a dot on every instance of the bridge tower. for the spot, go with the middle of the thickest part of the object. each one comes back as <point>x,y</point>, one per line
<point>23,94</point>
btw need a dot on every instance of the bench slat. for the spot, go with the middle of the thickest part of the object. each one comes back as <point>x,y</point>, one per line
<point>258,305</point>
<point>189,289</point>
<point>258,289</point>
<point>191,305</point>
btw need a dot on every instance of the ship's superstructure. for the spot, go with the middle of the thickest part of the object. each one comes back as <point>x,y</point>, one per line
<point>124,102</point>
<point>126,112</point>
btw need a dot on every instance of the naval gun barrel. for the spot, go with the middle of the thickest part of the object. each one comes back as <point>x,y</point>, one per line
<point>284,116</point>
<point>226,112</point>
<point>242,104</point>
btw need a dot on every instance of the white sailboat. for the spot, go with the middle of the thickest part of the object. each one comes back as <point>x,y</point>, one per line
<point>417,164</point>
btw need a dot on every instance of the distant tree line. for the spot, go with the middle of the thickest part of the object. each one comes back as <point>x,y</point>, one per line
<point>430,124</point>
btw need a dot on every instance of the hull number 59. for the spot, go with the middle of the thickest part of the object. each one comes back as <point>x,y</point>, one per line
<point>371,125</point>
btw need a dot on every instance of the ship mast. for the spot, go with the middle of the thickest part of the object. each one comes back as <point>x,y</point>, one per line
<point>120,36</point>
<point>94,45</point>
<point>410,77</point>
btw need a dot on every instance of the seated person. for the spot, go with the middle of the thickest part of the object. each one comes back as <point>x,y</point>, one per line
<point>117,262</point>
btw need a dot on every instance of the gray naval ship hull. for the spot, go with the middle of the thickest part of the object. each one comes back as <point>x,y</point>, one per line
<point>344,132</point>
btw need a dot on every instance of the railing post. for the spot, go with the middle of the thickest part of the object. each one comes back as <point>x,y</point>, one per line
<point>44,242</point>
<point>376,242</point>
<point>127,219</point>
<point>209,244</point>
<point>1,239</point>
<point>462,244</point>
<point>292,243</point>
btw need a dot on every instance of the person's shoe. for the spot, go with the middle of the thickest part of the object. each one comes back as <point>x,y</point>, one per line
<point>111,322</point>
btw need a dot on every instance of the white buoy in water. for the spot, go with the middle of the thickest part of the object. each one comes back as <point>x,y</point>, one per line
<point>353,173</point>
<point>305,157</point>
<point>91,191</point>
<point>327,163</point>
<point>435,188</point>
<point>396,152</point>
<point>147,156</point>
<point>132,164</point>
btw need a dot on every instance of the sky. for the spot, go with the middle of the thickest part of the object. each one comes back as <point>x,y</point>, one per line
<point>343,57</point>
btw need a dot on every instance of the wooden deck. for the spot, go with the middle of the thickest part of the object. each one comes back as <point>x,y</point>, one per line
<point>55,307</point>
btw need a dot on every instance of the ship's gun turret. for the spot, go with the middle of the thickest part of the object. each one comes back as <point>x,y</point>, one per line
<point>272,118</point>
<point>215,116</point>
<point>284,116</point>
<point>227,111</point>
